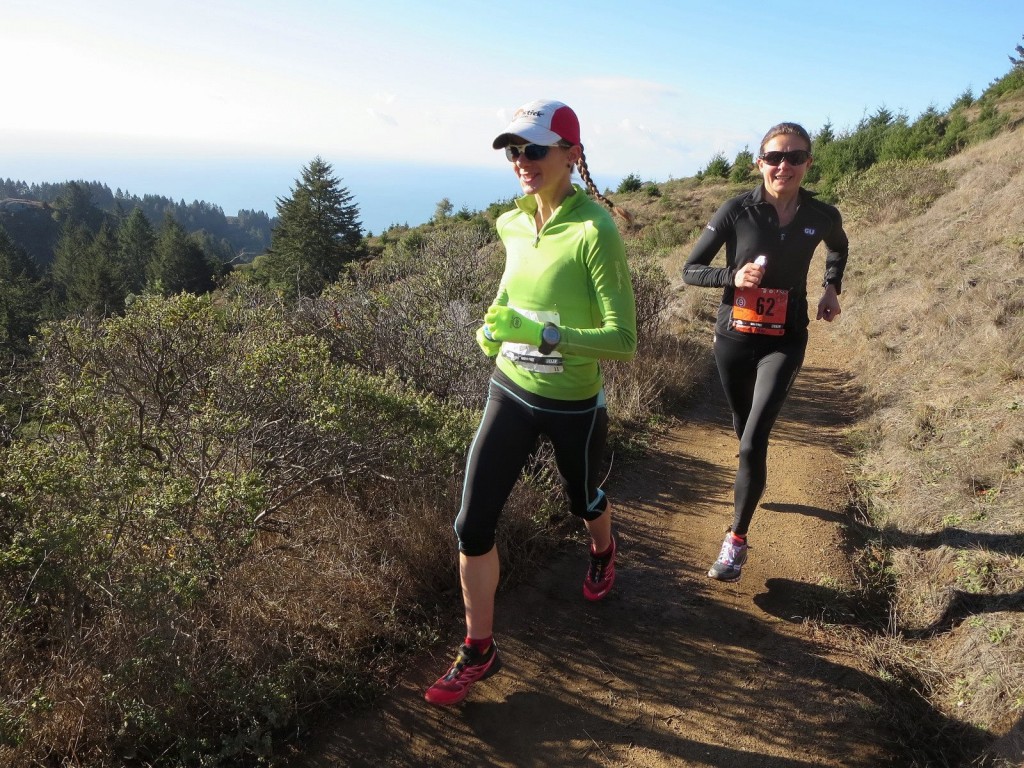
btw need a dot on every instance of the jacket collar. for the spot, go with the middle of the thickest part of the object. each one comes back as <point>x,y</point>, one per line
<point>756,196</point>
<point>528,203</point>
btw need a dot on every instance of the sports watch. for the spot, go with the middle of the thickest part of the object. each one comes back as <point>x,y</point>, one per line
<point>550,337</point>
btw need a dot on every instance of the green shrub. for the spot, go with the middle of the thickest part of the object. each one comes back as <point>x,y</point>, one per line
<point>1011,82</point>
<point>889,191</point>
<point>414,313</point>
<point>717,168</point>
<point>630,183</point>
<point>166,439</point>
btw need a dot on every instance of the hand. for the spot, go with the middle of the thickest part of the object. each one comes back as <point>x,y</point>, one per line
<point>490,347</point>
<point>828,305</point>
<point>505,324</point>
<point>748,276</point>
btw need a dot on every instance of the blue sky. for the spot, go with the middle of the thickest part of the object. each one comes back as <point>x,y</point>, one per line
<point>226,101</point>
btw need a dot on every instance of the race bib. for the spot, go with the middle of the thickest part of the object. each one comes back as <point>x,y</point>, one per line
<point>760,310</point>
<point>527,356</point>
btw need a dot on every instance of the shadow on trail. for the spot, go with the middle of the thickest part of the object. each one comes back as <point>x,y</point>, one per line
<point>827,515</point>
<point>523,713</point>
<point>957,538</point>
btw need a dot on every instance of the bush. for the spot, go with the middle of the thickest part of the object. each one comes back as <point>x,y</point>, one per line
<point>164,442</point>
<point>1011,82</point>
<point>630,183</point>
<point>414,313</point>
<point>890,191</point>
<point>717,168</point>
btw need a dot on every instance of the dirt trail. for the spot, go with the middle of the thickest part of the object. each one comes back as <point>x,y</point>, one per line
<point>672,669</point>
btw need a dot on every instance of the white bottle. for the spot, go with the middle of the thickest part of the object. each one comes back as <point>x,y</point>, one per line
<point>761,261</point>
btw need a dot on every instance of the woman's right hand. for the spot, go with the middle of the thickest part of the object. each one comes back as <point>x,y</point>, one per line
<point>748,276</point>
<point>489,346</point>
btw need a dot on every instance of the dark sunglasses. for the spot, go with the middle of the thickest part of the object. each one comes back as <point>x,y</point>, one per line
<point>793,157</point>
<point>531,151</point>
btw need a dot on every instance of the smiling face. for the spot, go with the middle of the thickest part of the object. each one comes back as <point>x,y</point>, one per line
<point>783,180</point>
<point>550,177</point>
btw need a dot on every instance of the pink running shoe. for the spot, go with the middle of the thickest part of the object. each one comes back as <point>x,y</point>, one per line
<point>468,667</point>
<point>600,575</point>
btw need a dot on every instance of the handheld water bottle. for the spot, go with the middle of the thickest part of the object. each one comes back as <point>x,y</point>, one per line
<point>761,261</point>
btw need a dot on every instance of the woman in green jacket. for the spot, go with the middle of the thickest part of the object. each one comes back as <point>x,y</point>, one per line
<point>564,303</point>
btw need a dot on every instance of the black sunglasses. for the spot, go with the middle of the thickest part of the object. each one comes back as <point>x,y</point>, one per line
<point>793,157</point>
<point>531,151</point>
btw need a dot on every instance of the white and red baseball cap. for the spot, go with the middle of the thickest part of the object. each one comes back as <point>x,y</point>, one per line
<point>541,122</point>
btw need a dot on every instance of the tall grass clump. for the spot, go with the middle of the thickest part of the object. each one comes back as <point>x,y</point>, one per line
<point>892,190</point>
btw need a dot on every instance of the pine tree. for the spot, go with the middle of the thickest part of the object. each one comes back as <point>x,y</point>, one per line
<point>74,207</point>
<point>70,265</point>
<point>317,232</point>
<point>136,244</point>
<point>180,264</point>
<point>85,271</point>
<point>21,297</point>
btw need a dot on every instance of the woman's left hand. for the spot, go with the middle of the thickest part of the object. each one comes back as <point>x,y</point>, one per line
<point>828,305</point>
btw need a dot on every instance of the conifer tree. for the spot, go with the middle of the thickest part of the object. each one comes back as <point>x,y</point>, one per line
<point>318,231</point>
<point>180,264</point>
<point>136,246</point>
<point>85,271</point>
<point>74,207</point>
<point>70,265</point>
<point>21,297</point>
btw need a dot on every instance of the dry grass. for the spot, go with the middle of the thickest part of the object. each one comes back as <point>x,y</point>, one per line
<point>934,323</point>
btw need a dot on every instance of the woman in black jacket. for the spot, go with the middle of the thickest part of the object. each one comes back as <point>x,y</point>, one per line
<point>770,235</point>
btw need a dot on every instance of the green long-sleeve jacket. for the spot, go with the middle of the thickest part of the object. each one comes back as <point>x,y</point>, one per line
<point>573,273</point>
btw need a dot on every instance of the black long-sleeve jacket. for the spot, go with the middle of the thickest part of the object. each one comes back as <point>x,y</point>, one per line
<point>748,226</point>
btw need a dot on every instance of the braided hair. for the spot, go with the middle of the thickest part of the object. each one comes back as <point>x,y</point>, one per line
<point>592,188</point>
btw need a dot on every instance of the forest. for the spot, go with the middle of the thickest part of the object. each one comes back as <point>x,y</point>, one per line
<point>235,238</point>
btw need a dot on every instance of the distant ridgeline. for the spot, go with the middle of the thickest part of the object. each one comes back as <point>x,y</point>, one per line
<point>26,212</point>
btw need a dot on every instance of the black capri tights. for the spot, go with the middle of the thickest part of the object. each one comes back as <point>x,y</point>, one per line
<point>512,423</point>
<point>756,376</point>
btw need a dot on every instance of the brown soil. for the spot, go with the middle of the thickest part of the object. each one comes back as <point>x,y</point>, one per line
<point>672,669</point>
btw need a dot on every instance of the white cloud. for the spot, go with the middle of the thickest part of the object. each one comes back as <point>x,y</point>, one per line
<point>381,117</point>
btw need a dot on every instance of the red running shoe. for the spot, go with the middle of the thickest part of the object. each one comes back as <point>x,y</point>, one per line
<point>468,667</point>
<point>600,575</point>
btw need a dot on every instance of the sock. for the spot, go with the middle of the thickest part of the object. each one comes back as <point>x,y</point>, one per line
<point>480,645</point>
<point>740,538</point>
<point>603,555</point>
